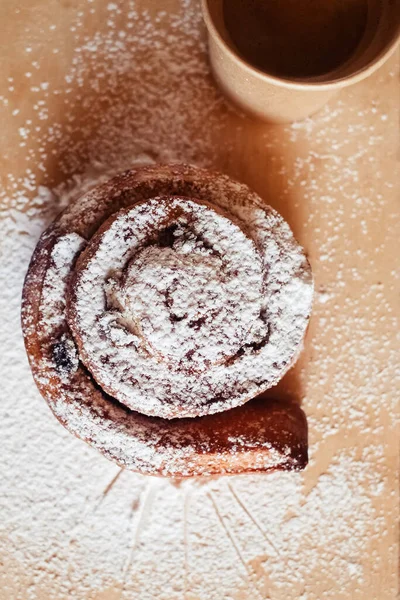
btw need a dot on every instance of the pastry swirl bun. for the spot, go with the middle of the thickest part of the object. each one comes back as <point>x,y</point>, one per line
<point>165,295</point>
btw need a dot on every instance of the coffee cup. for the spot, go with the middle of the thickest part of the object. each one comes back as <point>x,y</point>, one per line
<point>284,96</point>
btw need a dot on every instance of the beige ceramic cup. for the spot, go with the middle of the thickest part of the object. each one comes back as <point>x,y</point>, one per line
<point>281,100</point>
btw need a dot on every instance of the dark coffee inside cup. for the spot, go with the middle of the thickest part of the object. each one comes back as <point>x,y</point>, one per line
<point>295,38</point>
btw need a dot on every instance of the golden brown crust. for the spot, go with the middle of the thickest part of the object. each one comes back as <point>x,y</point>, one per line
<point>262,435</point>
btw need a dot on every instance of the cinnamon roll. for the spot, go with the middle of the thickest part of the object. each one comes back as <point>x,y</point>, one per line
<point>155,308</point>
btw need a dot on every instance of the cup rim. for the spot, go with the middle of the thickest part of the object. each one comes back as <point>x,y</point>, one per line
<point>294,84</point>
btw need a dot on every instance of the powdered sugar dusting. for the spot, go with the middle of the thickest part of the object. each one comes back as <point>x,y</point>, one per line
<point>67,531</point>
<point>62,257</point>
<point>229,335</point>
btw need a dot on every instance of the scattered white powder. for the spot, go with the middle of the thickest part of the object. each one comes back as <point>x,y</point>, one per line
<point>70,527</point>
